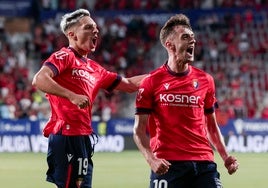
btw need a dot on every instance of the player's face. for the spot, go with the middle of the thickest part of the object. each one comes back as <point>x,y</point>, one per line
<point>86,35</point>
<point>184,42</point>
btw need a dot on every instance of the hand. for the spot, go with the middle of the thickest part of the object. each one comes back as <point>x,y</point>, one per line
<point>160,166</point>
<point>81,101</point>
<point>231,164</point>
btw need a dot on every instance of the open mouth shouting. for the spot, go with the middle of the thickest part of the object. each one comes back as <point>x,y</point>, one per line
<point>190,51</point>
<point>93,43</point>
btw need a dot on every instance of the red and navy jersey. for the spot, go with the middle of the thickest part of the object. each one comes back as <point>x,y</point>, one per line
<point>82,76</point>
<point>177,103</point>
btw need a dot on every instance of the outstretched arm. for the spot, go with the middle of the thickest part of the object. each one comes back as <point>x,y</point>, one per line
<point>130,84</point>
<point>217,141</point>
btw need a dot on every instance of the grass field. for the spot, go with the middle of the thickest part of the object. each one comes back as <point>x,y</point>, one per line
<point>122,170</point>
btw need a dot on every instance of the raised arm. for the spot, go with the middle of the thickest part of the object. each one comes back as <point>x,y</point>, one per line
<point>217,141</point>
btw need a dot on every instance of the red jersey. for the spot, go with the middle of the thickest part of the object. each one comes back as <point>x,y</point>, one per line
<point>82,76</point>
<point>177,103</point>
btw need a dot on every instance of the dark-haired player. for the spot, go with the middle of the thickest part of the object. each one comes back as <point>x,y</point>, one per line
<point>180,100</point>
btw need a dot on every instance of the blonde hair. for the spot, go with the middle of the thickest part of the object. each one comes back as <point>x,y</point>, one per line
<point>70,19</point>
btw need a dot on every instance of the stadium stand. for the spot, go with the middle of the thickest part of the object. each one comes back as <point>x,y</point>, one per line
<point>232,45</point>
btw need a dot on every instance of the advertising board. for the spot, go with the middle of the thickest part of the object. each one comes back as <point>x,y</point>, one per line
<point>116,135</point>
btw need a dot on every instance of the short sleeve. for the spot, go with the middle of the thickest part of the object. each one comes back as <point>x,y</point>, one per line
<point>109,80</point>
<point>210,99</point>
<point>58,61</point>
<point>144,98</point>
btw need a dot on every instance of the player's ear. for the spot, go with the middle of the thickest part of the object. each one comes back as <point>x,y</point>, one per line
<point>170,46</point>
<point>72,35</point>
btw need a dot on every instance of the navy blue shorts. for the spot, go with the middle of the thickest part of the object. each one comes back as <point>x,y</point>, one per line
<point>69,160</point>
<point>188,175</point>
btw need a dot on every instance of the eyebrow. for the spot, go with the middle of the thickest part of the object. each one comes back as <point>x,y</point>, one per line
<point>90,24</point>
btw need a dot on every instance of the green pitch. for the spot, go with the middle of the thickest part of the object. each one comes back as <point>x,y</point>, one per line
<point>121,170</point>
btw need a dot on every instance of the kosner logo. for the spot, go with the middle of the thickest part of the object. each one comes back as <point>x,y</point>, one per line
<point>83,74</point>
<point>179,98</point>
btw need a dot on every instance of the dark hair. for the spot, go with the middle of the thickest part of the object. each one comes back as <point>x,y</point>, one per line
<point>168,28</point>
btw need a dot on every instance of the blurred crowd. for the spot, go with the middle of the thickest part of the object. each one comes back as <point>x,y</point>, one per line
<point>231,46</point>
<point>148,4</point>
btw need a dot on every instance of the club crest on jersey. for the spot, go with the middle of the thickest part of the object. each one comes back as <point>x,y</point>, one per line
<point>195,83</point>
<point>166,86</point>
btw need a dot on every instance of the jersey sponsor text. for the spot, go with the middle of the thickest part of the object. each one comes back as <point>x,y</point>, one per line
<point>179,100</point>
